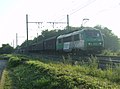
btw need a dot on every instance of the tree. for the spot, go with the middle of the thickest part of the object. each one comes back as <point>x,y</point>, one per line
<point>111,41</point>
<point>24,44</point>
<point>47,34</point>
<point>6,49</point>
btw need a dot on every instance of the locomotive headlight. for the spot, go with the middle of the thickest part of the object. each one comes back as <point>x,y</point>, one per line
<point>89,43</point>
<point>100,43</point>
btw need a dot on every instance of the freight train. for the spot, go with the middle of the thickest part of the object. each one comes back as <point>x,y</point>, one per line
<point>87,40</point>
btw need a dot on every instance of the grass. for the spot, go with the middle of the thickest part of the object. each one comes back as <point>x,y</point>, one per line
<point>34,74</point>
<point>6,81</point>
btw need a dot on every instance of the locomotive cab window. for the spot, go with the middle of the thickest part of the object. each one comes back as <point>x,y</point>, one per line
<point>67,39</point>
<point>92,33</point>
<point>76,37</point>
<point>59,40</point>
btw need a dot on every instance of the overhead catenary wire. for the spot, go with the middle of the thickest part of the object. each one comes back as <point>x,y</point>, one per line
<point>76,10</point>
<point>82,7</point>
<point>92,14</point>
<point>70,13</point>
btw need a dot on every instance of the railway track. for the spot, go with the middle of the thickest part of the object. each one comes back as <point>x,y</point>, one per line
<point>111,61</point>
<point>103,61</point>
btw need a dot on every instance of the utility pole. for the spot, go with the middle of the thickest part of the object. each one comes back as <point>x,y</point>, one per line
<point>68,22</point>
<point>85,19</point>
<point>37,38</point>
<point>27,44</point>
<point>16,39</point>
<point>27,32</point>
<point>13,43</point>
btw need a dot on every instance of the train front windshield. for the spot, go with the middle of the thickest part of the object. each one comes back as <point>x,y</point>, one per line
<point>92,33</point>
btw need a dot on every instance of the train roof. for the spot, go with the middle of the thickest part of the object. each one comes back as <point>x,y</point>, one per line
<point>89,28</point>
<point>54,37</point>
<point>65,35</point>
<point>76,32</point>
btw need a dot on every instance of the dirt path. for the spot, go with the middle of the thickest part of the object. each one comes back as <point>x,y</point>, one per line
<point>2,66</point>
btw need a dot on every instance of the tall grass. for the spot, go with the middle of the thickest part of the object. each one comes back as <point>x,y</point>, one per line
<point>34,74</point>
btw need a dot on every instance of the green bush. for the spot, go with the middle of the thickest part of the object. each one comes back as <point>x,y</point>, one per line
<point>15,61</point>
<point>55,76</point>
<point>38,75</point>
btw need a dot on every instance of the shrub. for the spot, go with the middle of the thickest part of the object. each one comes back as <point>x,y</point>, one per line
<point>15,60</point>
<point>38,75</point>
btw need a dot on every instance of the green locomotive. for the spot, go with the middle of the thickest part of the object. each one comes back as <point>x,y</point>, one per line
<point>88,40</point>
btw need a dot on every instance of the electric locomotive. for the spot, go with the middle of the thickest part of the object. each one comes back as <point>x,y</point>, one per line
<point>87,40</point>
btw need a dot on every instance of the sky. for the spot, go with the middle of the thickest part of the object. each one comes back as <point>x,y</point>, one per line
<point>13,16</point>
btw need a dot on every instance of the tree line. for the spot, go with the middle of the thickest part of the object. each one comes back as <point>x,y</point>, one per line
<point>111,41</point>
<point>6,49</point>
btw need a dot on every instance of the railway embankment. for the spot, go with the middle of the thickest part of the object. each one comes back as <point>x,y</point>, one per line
<point>30,73</point>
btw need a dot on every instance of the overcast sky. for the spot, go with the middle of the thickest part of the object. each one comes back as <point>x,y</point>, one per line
<point>13,16</point>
